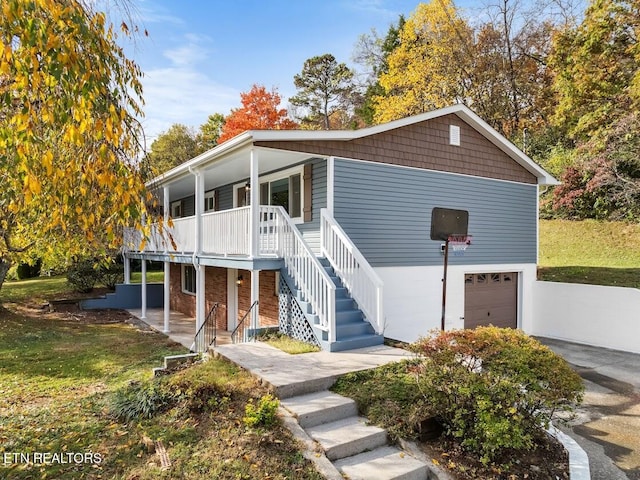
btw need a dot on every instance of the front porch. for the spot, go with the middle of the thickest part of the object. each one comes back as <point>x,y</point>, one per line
<point>182,328</point>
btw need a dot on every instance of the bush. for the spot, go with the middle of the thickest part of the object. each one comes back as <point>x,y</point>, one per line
<point>111,275</point>
<point>263,414</point>
<point>493,388</point>
<point>140,400</point>
<point>82,276</point>
<point>26,270</point>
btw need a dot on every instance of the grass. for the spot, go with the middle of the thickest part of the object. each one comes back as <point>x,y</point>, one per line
<point>286,343</point>
<point>59,376</point>
<point>37,290</point>
<point>589,251</point>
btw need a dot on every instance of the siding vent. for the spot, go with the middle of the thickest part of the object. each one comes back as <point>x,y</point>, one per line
<point>454,135</point>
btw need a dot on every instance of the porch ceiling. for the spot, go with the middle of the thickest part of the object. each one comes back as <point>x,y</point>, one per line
<point>234,168</point>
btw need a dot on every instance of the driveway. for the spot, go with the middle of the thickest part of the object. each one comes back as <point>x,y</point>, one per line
<point>608,422</point>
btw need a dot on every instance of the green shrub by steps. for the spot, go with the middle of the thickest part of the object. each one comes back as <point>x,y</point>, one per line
<point>263,414</point>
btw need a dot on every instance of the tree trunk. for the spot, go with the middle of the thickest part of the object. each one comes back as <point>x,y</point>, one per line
<point>5,265</point>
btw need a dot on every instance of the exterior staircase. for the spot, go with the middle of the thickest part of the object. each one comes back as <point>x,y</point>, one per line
<point>352,329</point>
<point>357,450</point>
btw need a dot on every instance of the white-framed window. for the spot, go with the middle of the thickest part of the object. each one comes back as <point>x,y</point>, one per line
<point>176,209</point>
<point>189,279</point>
<point>210,201</point>
<point>284,188</point>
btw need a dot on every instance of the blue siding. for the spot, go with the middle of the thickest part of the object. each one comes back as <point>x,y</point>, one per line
<point>386,210</point>
<point>311,230</point>
<point>225,197</point>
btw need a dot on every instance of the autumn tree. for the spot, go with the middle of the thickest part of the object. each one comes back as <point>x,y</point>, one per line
<point>172,147</point>
<point>325,90</point>
<point>427,69</point>
<point>68,133</point>
<point>597,68</point>
<point>209,132</point>
<point>260,111</point>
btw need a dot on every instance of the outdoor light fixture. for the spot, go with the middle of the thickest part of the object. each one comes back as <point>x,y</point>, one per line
<point>247,187</point>
<point>239,280</point>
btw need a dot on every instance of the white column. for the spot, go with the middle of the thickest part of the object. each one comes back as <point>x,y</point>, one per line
<point>199,199</point>
<point>330,183</point>
<point>166,207</point>
<point>143,290</point>
<point>254,209</point>
<point>200,286</point>
<point>200,297</point>
<point>127,269</point>
<point>255,296</point>
<point>167,296</point>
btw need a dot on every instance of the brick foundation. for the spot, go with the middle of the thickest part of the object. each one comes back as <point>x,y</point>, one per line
<point>268,298</point>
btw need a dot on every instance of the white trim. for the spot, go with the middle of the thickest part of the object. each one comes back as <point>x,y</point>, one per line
<point>331,178</point>
<point>232,299</point>
<point>183,277</point>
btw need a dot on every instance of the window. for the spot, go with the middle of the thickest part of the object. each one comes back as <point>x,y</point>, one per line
<point>176,209</point>
<point>210,201</point>
<point>189,279</point>
<point>282,188</point>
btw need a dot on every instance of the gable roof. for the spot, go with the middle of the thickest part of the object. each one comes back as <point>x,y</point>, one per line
<point>462,111</point>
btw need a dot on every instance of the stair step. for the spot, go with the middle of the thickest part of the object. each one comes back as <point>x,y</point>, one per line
<point>354,342</point>
<point>354,329</point>
<point>385,463</point>
<point>345,304</point>
<point>320,407</point>
<point>347,437</point>
<point>348,316</point>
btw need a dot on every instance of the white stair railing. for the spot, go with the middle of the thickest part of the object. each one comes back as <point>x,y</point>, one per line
<point>304,268</point>
<point>358,277</point>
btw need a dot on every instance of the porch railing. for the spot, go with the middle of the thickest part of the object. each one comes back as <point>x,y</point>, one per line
<point>226,232</point>
<point>303,267</point>
<point>357,275</point>
<point>207,333</point>
<point>239,333</point>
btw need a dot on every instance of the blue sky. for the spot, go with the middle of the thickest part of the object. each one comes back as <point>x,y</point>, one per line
<point>200,55</point>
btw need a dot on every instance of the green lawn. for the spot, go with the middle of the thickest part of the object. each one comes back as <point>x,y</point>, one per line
<point>59,375</point>
<point>601,253</point>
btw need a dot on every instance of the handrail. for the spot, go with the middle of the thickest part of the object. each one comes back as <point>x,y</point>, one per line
<point>241,322</point>
<point>357,275</point>
<point>207,334</point>
<point>305,269</point>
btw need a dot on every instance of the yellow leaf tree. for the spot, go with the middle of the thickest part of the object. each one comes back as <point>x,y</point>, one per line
<point>69,98</point>
<point>425,67</point>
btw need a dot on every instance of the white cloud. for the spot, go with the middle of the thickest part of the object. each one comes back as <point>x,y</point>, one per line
<point>189,54</point>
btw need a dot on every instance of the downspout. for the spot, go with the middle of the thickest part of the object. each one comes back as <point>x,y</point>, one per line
<point>197,249</point>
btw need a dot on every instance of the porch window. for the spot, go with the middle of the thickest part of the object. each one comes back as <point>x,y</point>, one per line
<point>189,279</point>
<point>176,209</point>
<point>210,201</point>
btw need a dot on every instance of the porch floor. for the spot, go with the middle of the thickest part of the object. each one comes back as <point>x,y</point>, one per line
<point>182,328</point>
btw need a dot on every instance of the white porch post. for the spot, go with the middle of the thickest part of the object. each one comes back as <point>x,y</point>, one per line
<point>167,296</point>
<point>143,290</point>
<point>254,209</point>
<point>200,286</point>
<point>330,183</point>
<point>127,269</point>
<point>166,210</point>
<point>255,296</point>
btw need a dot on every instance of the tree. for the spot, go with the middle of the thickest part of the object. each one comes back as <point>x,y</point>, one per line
<point>372,51</point>
<point>597,68</point>
<point>209,133</point>
<point>427,69</point>
<point>260,111</point>
<point>171,148</point>
<point>325,87</point>
<point>68,133</point>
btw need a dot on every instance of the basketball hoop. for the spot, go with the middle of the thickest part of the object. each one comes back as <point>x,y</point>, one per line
<point>459,244</point>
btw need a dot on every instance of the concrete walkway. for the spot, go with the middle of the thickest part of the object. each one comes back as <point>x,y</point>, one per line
<point>608,423</point>
<point>182,328</point>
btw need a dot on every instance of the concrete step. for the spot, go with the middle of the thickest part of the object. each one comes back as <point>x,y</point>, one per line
<point>347,437</point>
<point>320,407</point>
<point>385,463</point>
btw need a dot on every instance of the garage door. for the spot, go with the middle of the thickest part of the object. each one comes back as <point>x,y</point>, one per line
<point>491,299</point>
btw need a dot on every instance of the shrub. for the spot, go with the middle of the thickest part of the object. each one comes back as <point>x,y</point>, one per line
<point>494,388</point>
<point>83,276</point>
<point>140,400</point>
<point>263,414</point>
<point>27,270</point>
<point>111,275</point>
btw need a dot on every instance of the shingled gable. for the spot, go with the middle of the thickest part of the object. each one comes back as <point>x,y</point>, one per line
<point>421,141</point>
